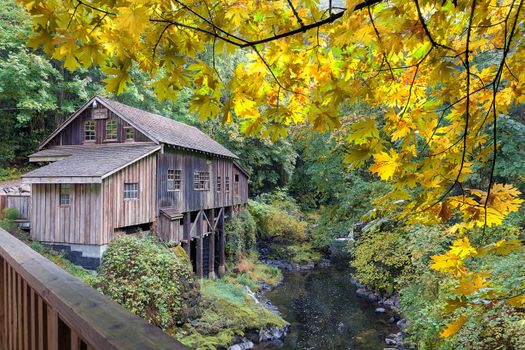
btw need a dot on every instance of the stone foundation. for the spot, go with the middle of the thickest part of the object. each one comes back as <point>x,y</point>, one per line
<point>85,255</point>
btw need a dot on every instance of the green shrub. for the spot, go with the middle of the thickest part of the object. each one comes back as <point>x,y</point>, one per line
<point>150,280</point>
<point>379,258</point>
<point>240,236</point>
<point>7,221</point>
<point>275,222</point>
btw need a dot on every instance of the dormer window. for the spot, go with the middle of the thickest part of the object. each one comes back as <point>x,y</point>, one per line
<point>89,131</point>
<point>111,130</point>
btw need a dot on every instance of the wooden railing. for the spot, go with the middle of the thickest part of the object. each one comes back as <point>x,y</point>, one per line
<point>42,307</point>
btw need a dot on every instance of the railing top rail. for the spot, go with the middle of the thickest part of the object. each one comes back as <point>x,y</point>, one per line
<point>97,319</point>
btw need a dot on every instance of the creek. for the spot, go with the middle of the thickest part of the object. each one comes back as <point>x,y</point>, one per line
<point>325,313</point>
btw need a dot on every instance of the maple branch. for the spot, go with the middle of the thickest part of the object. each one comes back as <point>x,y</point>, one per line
<point>427,31</point>
<point>160,38</point>
<point>467,106</point>
<point>210,22</point>
<point>73,14</point>
<point>330,19</point>
<point>96,8</point>
<point>271,71</point>
<point>467,111</point>
<point>496,83</point>
<point>380,42</point>
<point>301,23</point>
<point>409,93</point>
<point>182,25</point>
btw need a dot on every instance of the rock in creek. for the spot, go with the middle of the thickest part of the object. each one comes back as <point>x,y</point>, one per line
<point>245,345</point>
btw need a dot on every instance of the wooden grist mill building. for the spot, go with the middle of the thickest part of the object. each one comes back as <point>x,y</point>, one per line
<point>114,169</point>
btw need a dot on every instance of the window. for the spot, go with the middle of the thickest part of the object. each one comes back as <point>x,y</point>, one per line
<point>236,177</point>
<point>201,181</point>
<point>130,133</point>
<point>89,131</point>
<point>227,184</point>
<point>219,183</point>
<point>131,190</point>
<point>65,194</point>
<point>174,180</point>
<point>111,129</point>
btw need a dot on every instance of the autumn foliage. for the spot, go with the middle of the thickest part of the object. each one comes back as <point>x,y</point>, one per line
<point>436,74</point>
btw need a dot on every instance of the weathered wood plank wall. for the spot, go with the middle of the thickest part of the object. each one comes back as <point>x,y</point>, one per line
<point>80,222</point>
<point>119,212</point>
<point>73,134</point>
<point>189,199</point>
<point>22,203</point>
<point>240,186</point>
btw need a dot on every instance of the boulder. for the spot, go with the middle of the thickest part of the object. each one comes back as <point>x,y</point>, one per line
<point>245,345</point>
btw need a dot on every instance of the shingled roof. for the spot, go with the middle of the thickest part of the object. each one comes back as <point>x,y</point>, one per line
<point>89,164</point>
<point>158,128</point>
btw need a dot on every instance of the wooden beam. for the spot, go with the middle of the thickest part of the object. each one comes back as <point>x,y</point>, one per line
<point>222,245</point>
<point>211,250</point>
<point>187,233</point>
<point>199,255</point>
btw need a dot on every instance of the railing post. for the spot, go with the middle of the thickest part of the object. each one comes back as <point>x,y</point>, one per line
<point>3,303</point>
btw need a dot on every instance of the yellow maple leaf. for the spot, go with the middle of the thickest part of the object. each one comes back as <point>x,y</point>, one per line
<point>517,301</point>
<point>385,164</point>
<point>132,19</point>
<point>453,327</point>
<point>362,131</point>
<point>116,83</point>
<point>471,283</point>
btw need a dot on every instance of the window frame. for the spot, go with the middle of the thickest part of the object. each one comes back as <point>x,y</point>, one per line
<point>64,199</point>
<point>127,192</point>
<point>93,124</point>
<point>227,184</point>
<point>175,180</point>
<point>126,130</point>
<point>108,121</point>
<point>201,180</point>
<point>219,183</point>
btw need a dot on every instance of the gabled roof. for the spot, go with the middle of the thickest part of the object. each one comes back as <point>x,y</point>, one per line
<point>88,164</point>
<point>156,127</point>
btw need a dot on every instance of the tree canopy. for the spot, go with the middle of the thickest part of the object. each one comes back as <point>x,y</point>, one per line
<point>437,73</point>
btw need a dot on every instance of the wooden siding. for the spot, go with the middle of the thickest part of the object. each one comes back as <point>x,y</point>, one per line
<point>119,212</point>
<point>169,230</point>
<point>73,134</point>
<point>189,199</point>
<point>240,186</point>
<point>22,203</point>
<point>78,223</point>
<point>95,210</point>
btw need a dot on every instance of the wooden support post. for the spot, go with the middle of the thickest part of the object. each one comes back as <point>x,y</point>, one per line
<point>211,243</point>
<point>200,230</point>
<point>222,245</point>
<point>186,233</point>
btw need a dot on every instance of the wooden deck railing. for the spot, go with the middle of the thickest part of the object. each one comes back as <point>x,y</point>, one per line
<point>42,307</point>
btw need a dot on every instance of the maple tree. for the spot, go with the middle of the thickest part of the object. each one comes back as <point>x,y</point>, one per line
<point>441,72</point>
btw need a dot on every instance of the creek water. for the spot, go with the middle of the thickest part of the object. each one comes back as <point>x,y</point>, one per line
<point>325,313</point>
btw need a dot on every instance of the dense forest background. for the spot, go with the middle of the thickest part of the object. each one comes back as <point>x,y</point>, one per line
<point>302,181</point>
